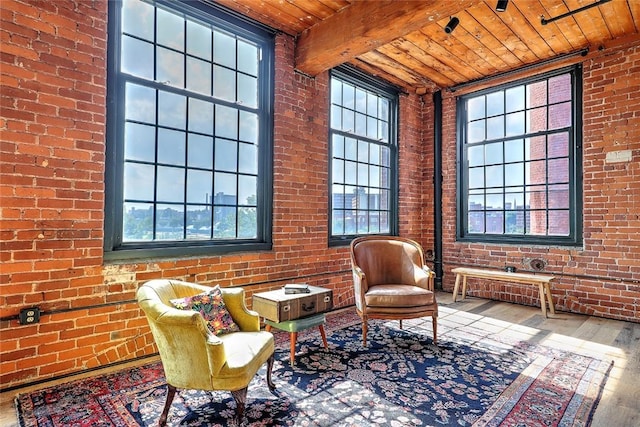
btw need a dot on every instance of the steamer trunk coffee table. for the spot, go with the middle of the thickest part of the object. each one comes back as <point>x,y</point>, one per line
<point>294,312</point>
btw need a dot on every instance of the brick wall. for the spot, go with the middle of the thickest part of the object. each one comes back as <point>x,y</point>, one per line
<point>603,277</point>
<point>52,144</point>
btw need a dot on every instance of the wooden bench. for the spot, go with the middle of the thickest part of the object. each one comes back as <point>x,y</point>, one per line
<point>541,280</point>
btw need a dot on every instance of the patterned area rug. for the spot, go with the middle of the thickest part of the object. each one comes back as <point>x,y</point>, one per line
<point>400,379</point>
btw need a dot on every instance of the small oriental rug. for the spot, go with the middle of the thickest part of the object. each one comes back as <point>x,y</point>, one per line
<point>400,379</point>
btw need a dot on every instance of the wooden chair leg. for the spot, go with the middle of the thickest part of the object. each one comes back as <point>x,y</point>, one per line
<point>434,322</point>
<point>400,323</point>
<point>323,335</point>
<point>364,332</point>
<point>272,386</point>
<point>240,396</point>
<point>171,392</point>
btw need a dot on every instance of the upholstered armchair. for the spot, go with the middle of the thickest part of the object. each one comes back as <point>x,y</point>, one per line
<point>192,355</point>
<point>391,281</point>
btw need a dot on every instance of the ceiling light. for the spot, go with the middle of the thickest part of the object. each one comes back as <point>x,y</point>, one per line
<point>453,23</point>
<point>502,5</point>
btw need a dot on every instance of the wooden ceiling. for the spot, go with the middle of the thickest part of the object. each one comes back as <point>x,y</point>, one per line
<point>405,42</point>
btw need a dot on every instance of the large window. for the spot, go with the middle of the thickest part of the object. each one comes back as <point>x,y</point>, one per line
<point>519,179</point>
<point>363,157</point>
<point>189,131</point>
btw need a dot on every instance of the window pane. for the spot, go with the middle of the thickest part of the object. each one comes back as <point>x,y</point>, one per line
<point>170,29</point>
<point>139,142</point>
<point>560,88</point>
<point>170,67</point>
<point>199,76</point>
<point>225,188</point>
<point>224,222</point>
<point>200,116</point>
<point>495,127</point>
<point>476,155</point>
<point>495,103</point>
<point>140,103</point>
<point>224,83</point>
<point>476,178</point>
<point>535,148</point>
<point>198,40</point>
<point>515,123</point>
<point>248,159</point>
<point>247,223</point>
<point>247,58</point>
<point>559,144</point>
<point>138,181</point>
<point>226,155</point>
<point>476,222</point>
<point>515,99</point>
<point>199,188</point>
<point>560,115</point>
<point>537,120</point>
<point>494,176</point>
<point>493,153</point>
<point>247,90</point>
<point>514,174</point>
<point>226,122</point>
<point>224,49</point>
<point>537,94</point>
<point>198,222</point>
<point>476,107</point>
<point>559,196</point>
<point>172,110</point>
<point>171,147</point>
<point>138,19</point>
<point>138,222</point>
<point>514,150</point>
<point>476,131</point>
<point>137,58</point>
<point>169,223</point>
<point>247,190</point>
<point>200,152</point>
<point>249,127</point>
<point>170,184</point>
<point>537,172</point>
<point>558,171</point>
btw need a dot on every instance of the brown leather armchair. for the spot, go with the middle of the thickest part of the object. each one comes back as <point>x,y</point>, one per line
<point>192,356</point>
<point>391,281</point>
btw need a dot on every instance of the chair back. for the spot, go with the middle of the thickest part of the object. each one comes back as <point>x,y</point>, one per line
<point>387,259</point>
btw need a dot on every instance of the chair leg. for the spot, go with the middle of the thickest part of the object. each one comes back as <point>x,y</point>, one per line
<point>400,323</point>
<point>171,392</point>
<point>272,386</point>
<point>364,332</point>
<point>434,322</point>
<point>240,396</point>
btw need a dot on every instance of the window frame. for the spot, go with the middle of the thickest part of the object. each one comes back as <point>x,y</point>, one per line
<point>574,238</point>
<point>114,247</point>
<point>357,78</point>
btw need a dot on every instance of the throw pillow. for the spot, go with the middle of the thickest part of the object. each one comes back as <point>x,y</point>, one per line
<point>211,306</point>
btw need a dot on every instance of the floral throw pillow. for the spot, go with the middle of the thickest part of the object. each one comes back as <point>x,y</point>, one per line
<point>211,305</point>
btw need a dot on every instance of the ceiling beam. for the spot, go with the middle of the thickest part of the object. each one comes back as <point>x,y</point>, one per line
<point>364,26</point>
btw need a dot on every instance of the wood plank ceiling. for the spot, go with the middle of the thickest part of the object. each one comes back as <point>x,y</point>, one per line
<point>405,42</point>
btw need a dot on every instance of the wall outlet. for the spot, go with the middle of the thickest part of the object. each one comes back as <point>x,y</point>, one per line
<point>29,315</point>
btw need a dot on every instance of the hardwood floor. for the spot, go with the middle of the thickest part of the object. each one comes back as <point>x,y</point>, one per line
<point>598,337</point>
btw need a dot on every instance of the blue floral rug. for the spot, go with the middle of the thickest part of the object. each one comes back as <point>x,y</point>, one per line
<point>400,379</point>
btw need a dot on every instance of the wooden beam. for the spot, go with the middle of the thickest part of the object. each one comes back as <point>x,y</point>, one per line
<point>365,26</point>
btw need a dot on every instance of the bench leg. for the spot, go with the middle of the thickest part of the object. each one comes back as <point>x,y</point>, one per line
<point>543,302</point>
<point>464,287</point>
<point>455,287</point>
<point>547,289</point>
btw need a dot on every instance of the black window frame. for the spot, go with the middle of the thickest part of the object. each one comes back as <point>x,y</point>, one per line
<point>574,238</point>
<point>362,80</point>
<point>114,247</point>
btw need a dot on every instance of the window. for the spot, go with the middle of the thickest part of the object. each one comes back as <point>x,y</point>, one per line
<point>188,153</point>
<point>363,157</point>
<point>520,150</point>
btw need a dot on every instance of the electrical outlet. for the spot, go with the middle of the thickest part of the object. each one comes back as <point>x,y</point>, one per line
<point>29,315</point>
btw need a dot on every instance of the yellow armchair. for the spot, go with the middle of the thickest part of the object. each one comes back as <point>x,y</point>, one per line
<point>192,356</point>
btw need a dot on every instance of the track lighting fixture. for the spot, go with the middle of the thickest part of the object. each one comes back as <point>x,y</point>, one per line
<point>453,23</point>
<point>502,5</point>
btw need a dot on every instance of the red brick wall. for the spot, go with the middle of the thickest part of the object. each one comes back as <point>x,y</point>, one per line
<point>603,277</point>
<point>52,144</point>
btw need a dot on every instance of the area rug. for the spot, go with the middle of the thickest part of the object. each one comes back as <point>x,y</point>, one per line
<point>400,379</point>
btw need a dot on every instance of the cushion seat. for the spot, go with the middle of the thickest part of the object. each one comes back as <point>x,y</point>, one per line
<point>396,295</point>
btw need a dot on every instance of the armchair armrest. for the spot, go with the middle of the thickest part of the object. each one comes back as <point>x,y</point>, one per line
<point>247,320</point>
<point>360,287</point>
